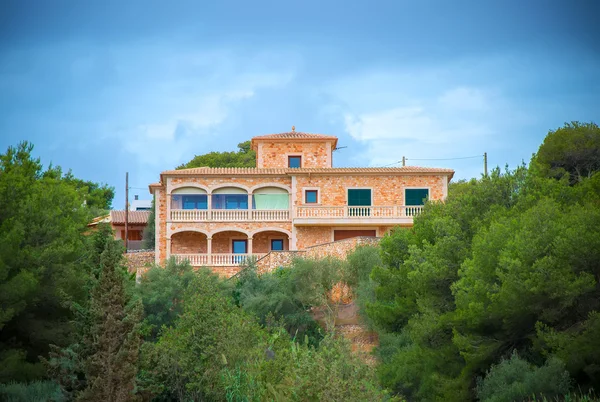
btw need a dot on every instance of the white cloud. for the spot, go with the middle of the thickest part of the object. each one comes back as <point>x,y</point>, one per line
<point>430,114</point>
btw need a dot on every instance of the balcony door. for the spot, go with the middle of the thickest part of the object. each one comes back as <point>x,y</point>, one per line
<point>359,199</point>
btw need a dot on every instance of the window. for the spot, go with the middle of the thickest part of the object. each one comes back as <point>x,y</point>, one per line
<point>311,196</point>
<point>294,161</point>
<point>239,246</point>
<point>416,196</point>
<point>359,200</point>
<point>195,201</point>
<point>230,201</point>
<point>277,245</point>
<point>188,201</point>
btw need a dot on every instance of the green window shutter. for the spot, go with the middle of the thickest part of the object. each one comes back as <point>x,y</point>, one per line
<point>359,197</point>
<point>416,196</point>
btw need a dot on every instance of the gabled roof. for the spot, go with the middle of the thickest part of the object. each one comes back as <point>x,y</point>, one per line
<point>294,136</point>
<point>134,218</point>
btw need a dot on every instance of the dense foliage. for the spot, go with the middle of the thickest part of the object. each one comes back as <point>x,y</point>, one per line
<point>493,295</point>
<point>44,259</point>
<point>244,157</point>
<point>510,262</point>
<point>215,350</point>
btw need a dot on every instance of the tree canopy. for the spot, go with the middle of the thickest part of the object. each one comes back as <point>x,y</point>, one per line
<point>244,157</point>
<point>43,258</point>
<point>508,264</point>
<point>573,149</point>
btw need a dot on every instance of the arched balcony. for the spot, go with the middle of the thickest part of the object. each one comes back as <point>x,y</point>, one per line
<point>227,247</point>
<point>230,204</point>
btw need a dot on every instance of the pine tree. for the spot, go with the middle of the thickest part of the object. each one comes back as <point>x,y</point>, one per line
<point>114,338</point>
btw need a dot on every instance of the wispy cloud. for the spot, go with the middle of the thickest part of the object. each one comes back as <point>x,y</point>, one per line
<point>421,114</point>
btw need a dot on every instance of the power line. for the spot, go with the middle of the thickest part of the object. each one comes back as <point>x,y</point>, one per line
<point>445,159</point>
<point>434,159</point>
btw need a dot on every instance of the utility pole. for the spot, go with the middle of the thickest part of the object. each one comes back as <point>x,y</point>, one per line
<point>485,164</point>
<point>404,161</point>
<point>126,211</point>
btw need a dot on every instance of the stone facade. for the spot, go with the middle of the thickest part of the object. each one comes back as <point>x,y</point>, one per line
<point>385,190</point>
<point>275,154</point>
<point>206,235</point>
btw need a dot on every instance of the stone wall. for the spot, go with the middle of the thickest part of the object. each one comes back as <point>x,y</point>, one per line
<point>275,154</point>
<point>339,249</point>
<point>139,262</point>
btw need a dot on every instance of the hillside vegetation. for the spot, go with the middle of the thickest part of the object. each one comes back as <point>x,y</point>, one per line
<point>493,295</point>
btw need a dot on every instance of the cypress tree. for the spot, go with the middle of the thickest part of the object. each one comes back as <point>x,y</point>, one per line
<point>114,338</point>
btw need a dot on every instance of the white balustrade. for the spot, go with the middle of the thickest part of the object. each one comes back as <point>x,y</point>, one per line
<point>270,214</point>
<point>358,211</point>
<point>186,215</point>
<point>229,215</point>
<point>199,260</point>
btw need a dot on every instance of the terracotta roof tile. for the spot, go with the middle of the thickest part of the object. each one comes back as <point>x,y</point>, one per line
<point>295,134</point>
<point>286,171</point>
<point>135,217</point>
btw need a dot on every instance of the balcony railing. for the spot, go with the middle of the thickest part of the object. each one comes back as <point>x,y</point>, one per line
<point>216,260</point>
<point>358,212</point>
<point>230,215</point>
<point>281,215</point>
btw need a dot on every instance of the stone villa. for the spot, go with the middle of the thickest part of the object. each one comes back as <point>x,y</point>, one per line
<point>293,200</point>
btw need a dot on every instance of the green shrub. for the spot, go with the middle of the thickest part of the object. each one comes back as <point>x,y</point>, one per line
<point>515,379</point>
<point>37,391</point>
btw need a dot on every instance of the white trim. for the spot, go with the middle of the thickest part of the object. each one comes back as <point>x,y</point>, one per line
<point>416,188</point>
<point>170,187</point>
<point>292,244</point>
<point>230,229</point>
<point>318,189</point>
<point>184,229</point>
<point>278,185</point>
<point>270,229</point>
<point>193,190</point>
<point>359,188</point>
<point>287,159</point>
<point>243,189</point>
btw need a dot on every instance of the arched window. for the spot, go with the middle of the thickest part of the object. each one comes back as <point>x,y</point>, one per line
<point>189,198</point>
<point>270,198</point>
<point>229,198</point>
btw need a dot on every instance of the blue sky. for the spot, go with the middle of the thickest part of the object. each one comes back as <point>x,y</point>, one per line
<point>105,87</point>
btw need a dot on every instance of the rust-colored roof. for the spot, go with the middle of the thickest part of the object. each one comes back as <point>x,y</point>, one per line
<point>135,217</point>
<point>296,134</point>
<point>293,136</point>
<point>293,171</point>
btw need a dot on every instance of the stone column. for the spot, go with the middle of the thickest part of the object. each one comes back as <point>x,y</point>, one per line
<point>209,205</point>
<point>249,206</point>
<point>249,245</point>
<point>209,250</point>
<point>168,250</point>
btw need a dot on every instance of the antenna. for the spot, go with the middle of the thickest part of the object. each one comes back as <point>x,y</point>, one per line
<point>335,149</point>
